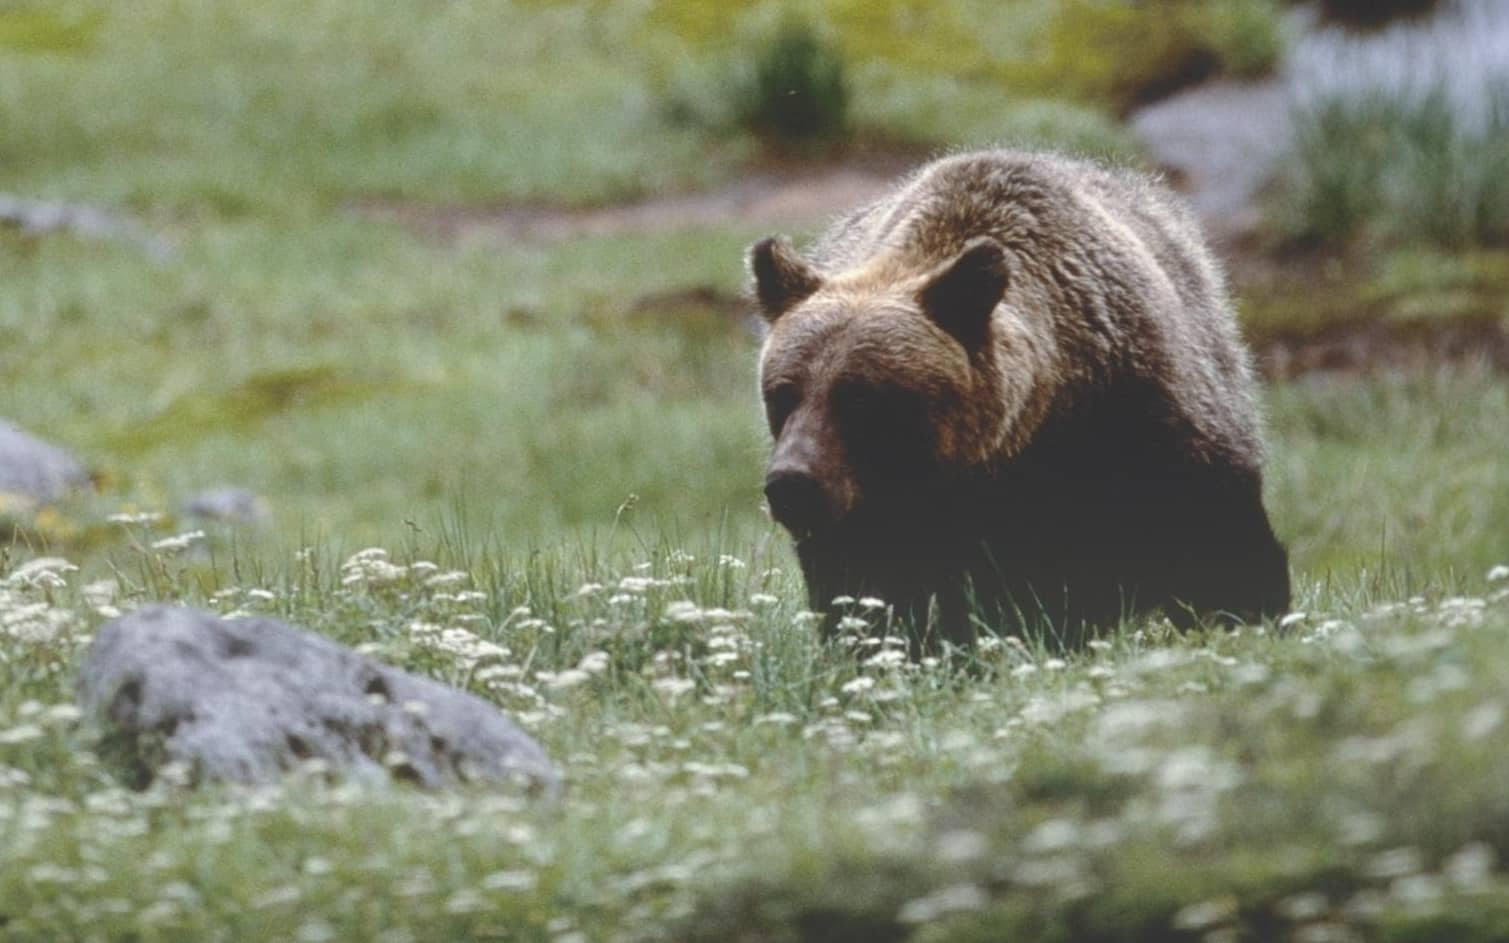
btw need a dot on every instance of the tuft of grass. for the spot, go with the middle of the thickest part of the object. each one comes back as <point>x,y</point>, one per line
<point>798,91</point>
<point>1398,168</point>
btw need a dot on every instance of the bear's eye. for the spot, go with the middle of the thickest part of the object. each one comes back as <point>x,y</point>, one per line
<point>780,401</point>
<point>884,427</point>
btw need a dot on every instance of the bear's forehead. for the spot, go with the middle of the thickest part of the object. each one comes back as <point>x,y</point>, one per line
<point>879,344</point>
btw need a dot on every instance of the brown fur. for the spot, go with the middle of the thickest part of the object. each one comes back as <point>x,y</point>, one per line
<point>1015,386</point>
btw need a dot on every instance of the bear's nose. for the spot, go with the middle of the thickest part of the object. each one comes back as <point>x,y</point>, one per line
<point>797,500</point>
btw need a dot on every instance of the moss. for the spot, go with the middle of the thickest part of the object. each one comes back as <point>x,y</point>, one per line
<point>252,400</point>
<point>1125,54</point>
<point>1404,287</point>
<point>28,29</point>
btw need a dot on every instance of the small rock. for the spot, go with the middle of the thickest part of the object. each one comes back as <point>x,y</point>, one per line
<point>37,218</point>
<point>228,504</point>
<point>245,700</point>
<point>33,471</point>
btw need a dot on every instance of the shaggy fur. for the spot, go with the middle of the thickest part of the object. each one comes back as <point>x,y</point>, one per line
<point>1015,386</point>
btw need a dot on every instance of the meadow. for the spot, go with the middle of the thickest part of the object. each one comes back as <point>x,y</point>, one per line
<point>556,445</point>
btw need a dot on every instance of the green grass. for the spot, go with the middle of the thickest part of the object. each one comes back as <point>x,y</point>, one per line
<point>729,775</point>
<point>1390,169</point>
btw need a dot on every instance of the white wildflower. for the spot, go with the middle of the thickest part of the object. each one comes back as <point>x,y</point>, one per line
<point>22,733</point>
<point>956,898</point>
<point>135,517</point>
<point>62,714</point>
<point>858,685</point>
<point>43,572</point>
<point>1205,914</point>
<point>1499,572</point>
<point>673,688</point>
<point>371,566</point>
<point>960,845</point>
<point>1303,907</point>
<point>177,541</point>
<point>1482,720</point>
<point>563,680</point>
<point>890,658</point>
<point>1396,863</point>
<point>508,881</point>
<point>1054,835</point>
<point>1471,867</point>
<point>779,718</point>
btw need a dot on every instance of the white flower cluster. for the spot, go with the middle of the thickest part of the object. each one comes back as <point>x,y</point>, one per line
<point>27,609</point>
<point>371,567</point>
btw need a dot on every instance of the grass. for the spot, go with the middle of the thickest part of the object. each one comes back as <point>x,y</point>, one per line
<point>729,776</point>
<point>509,409</point>
<point>1398,168</point>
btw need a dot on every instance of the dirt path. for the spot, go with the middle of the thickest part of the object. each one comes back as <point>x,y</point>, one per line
<point>794,197</point>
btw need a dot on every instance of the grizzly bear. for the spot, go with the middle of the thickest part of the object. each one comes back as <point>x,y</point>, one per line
<point>1012,393</point>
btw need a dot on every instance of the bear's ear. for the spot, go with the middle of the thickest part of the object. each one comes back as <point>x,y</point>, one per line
<point>782,278</point>
<point>962,293</point>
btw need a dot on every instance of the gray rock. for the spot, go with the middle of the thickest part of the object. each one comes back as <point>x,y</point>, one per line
<point>41,218</point>
<point>228,504</point>
<point>244,700</point>
<point>34,470</point>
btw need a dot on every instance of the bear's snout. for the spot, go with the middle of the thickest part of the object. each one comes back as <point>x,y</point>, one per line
<point>797,501</point>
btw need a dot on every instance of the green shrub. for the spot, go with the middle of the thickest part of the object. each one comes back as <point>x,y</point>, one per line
<point>798,90</point>
<point>1398,169</point>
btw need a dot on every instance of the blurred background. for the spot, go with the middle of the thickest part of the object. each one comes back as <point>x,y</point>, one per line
<point>348,272</point>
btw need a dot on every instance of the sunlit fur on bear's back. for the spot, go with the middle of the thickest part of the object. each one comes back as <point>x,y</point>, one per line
<point>1111,278</point>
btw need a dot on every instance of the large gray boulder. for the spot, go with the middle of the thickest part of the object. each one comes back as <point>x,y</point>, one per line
<point>34,471</point>
<point>244,700</point>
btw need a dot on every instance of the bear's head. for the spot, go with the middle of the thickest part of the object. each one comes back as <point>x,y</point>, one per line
<point>878,383</point>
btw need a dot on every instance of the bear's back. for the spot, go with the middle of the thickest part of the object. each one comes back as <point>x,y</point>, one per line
<point>1112,256</point>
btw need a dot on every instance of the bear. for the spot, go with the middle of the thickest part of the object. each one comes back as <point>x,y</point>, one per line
<point>1012,393</point>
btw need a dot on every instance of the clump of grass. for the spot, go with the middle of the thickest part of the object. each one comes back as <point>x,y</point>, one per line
<point>1396,168</point>
<point>798,91</point>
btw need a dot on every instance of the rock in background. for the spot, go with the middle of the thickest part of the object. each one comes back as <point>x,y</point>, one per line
<point>227,504</point>
<point>34,471</point>
<point>245,700</point>
<point>1223,140</point>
